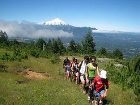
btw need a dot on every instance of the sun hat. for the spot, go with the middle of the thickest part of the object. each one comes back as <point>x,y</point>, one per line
<point>103,74</point>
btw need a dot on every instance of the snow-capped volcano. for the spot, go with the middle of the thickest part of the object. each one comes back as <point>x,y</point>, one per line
<point>55,21</point>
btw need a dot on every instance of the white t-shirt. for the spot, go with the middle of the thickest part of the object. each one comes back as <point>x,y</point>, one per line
<point>83,67</point>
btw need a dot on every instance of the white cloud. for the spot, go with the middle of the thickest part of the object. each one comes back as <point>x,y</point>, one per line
<point>31,30</point>
<point>110,27</point>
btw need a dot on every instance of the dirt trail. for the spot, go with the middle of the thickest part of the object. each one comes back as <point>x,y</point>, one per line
<point>31,74</point>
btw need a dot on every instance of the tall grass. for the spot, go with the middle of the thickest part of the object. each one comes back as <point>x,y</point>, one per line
<point>118,96</point>
<point>53,90</point>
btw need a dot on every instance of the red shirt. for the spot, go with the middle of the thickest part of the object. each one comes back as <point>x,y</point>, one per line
<point>100,84</point>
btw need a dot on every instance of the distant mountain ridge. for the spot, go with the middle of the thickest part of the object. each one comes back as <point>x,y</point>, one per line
<point>51,29</point>
<point>128,42</point>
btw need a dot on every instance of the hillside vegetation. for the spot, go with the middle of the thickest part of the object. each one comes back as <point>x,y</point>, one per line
<point>32,73</point>
<point>53,90</point>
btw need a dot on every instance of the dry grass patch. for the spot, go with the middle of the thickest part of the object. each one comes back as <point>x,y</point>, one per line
<point>32,75</point>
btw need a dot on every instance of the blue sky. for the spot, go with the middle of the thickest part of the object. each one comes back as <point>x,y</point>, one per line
<point>119,15</point>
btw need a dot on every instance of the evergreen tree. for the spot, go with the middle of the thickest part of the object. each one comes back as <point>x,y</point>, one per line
<point>40,44</point>
<point>3,37</point>
<point>55,46</point>
<point>137,66</point>
<point>88,43</point>
<point>102,52</point>
<point>72,47</point>
<point>61,47</point>
<point>49,46</point>
<point>79,48</point>
<point>117,54</point>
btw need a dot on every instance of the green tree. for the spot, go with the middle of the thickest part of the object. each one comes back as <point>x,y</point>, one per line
<point>72,47</point>
<point>117,54</point>
<point>3,37</point>
<point>137,66</point>
<point>88,43</point>
<point>102,52</point>
<point>15,42</point>
<point>40,44</point>
<point>61,47</point>
<point>49,46</point>
<point>55,46</point>
<point>79,48</point>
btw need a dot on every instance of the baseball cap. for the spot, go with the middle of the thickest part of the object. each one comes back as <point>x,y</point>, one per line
<point>103,74</point>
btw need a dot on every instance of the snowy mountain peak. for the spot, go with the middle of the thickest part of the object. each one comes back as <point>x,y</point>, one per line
<point>55,21</point>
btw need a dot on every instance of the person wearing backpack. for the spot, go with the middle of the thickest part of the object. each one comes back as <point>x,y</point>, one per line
<point>65,62</point>
<point>82,69</point>
<point>75,69</point>
<point>101,85</point>
<point>66,66</point>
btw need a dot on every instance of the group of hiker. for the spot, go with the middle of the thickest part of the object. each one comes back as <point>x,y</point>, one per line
<point>93,81</point>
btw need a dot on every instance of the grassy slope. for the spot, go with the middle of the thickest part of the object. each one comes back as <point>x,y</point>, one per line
<point>117,96</point>
<point>52,91</point>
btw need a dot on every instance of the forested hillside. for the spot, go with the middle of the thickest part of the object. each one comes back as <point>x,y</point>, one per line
<point>42,56</point>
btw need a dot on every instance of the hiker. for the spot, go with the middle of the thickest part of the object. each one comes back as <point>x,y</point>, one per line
<point>68,70</point>
<point>82,67</point>
<point>101,85</point>
<point>67,67</point>
<point>73,61</point>
<point>65,62</point>
<point>75,70</point>
<point>91,71</point>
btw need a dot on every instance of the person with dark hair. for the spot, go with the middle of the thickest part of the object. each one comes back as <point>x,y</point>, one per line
<point>91,71</point>
<point>68,71</point>
<point>75,70</point>
<point>82,66</point>
<point>66,64</point>
<point>73,63</point>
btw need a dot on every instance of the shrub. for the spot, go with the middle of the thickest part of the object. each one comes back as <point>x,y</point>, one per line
<point>44,54</point>
<point>6,57</point>
<point>3,68</point>
<point>34,53</point>
<point>55,59</point>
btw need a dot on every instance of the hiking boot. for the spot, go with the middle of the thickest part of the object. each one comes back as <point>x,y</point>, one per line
<point>84,92</point>
<point>100,102</point>
<point>96,102</point>
<point>88,98</point>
